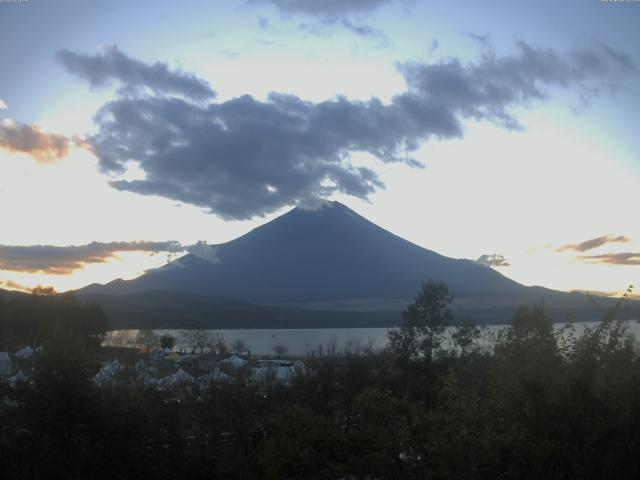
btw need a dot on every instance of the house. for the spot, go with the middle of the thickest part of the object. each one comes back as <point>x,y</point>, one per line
<point>108,373</point>
<point>235,361</point>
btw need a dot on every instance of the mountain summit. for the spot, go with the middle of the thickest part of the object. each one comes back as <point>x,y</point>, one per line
<point>325,254</point>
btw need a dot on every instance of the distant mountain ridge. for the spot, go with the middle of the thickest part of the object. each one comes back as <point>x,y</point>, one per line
<point>332,260</point>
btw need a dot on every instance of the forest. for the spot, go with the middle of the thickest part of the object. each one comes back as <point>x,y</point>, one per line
<point>540,402</point>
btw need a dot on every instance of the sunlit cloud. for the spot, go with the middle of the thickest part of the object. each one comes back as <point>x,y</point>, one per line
<point>594,243</point>
<point>12,285</point>
<point>623,258</point>
<point>43,147</point>
<point>64,260</point>
<point>3,105</point>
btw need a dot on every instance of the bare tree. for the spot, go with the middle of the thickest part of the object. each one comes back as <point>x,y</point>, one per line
<point>280,350</point>
<point>196,339</point>
<point>219,343</point>
<point>148,339</point>
<point>239,346</point>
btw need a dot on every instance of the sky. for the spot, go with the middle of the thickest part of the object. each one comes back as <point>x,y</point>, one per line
<point>498,131</point>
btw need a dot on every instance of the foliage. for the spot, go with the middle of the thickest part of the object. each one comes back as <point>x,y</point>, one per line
<point>39,318</point>
<point>167,341</point>
<point>424,323</point>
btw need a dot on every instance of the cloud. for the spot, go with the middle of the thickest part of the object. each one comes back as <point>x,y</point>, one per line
<point>624,258</point>
<point>29,139</point>
<point>133,75</point>
<point>366,31</point>
<point>325,9</point>
<point>594,243</point>
<point>11,285</point>
<point>204,251</point>
<point>628,294</point>
<point>3,105</point>
<point>244,157</point>
<point>58,260</point>
<point>490,88</point>
<point>333,13</point>
<point>493,260</point>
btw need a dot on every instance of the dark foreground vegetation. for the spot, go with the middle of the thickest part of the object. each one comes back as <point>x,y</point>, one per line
<point>537,404</point>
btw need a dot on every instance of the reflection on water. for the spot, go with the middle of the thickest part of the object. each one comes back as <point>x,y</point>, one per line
<point>302,341</point>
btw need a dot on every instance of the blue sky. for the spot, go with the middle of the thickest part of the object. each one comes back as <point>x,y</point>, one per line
<point>493,127</point>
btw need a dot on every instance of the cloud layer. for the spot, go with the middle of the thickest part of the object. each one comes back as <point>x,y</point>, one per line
<point>245,157</point>
<point>57,260</point>
<point>594,243</point>
<point>29,139</point>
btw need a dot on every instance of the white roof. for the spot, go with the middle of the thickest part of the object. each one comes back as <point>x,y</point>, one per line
<point>26,353</point>
<point>280,374</point>
<point>215,375</point>
<point>107,374</point>
<point>235,361</point>
<point>177,378</point>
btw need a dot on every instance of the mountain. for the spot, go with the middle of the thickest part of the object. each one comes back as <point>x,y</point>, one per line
<point>331,253</point>
<point>329,259</point>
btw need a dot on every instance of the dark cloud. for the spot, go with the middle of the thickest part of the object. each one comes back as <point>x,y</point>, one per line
<point>594,243</point>
<point>244,157</point>
<point>365,31</point>
<point>493,260</point>
<point>489,88</point>
<point>64,260</point>
<point>625,258</point>
<point>133,75</point>
<point>29,139</point>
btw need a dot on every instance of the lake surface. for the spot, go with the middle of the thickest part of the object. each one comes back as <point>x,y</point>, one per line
<point>303,341</point>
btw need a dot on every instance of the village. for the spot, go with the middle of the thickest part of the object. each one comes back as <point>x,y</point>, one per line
<point>164,368</point>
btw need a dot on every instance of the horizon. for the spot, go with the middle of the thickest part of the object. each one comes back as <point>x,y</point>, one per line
<point>484,133</point>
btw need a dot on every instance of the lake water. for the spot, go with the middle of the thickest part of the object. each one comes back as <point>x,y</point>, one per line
<point>303,341</point>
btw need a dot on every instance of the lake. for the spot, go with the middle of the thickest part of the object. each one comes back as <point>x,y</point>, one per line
<point>302,341</point>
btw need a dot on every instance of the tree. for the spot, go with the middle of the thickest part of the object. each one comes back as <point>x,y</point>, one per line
<point>280,350</point>
<point>219,343</point>
<point>167,341</point>
<point>424,323</point>
<point>196,339</point>
<point>148,339</point>
<point>529,336</point>
<point>239,346</point>
<point>465,336</point>
<point>44,291</point>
